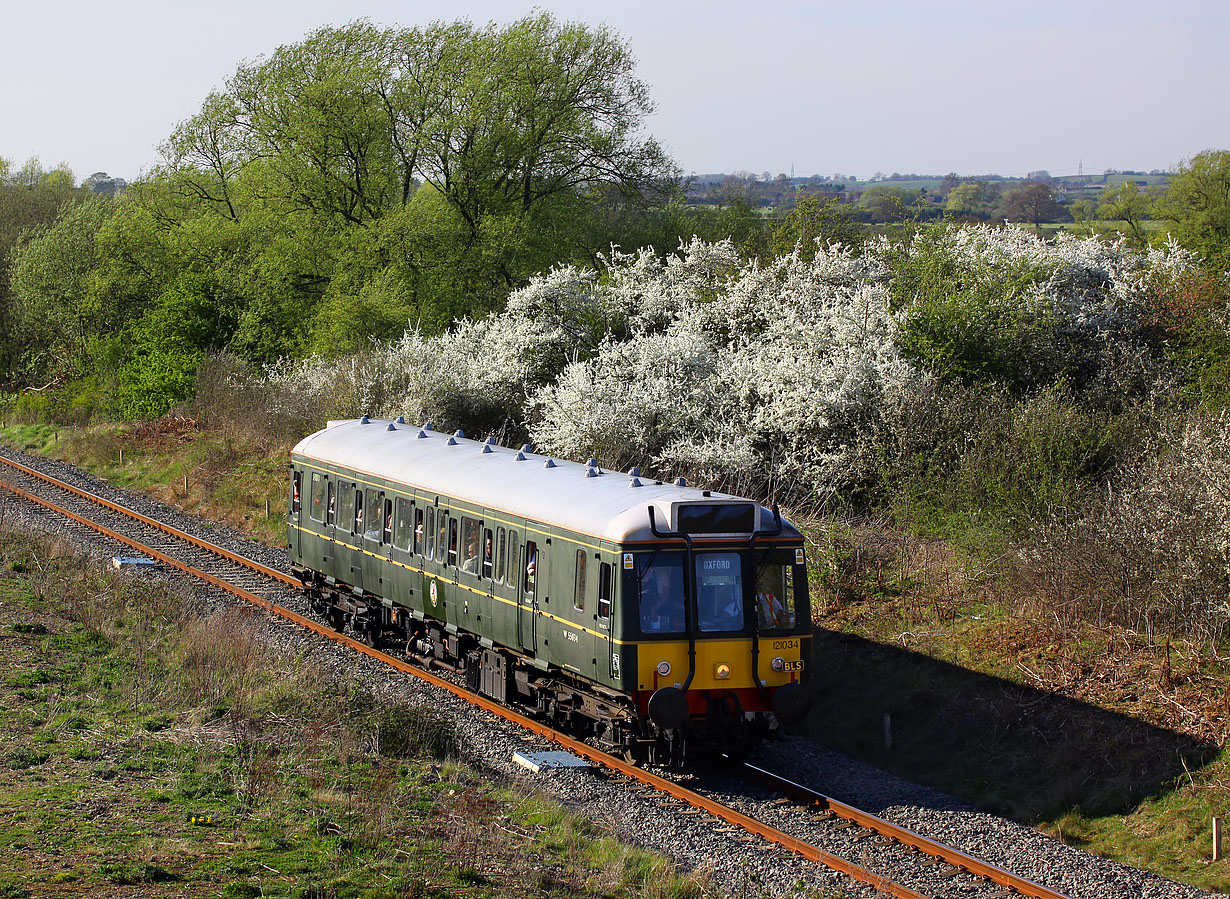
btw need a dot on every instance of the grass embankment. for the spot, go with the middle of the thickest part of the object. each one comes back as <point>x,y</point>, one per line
<point>150,751</point>
<point>1105,738</point>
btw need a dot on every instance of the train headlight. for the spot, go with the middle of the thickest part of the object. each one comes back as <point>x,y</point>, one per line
<point>721,671</point>
<point>664,668</point>
<point>778,664</point>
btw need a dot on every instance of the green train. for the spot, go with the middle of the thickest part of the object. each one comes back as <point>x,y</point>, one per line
<point>653,618</point>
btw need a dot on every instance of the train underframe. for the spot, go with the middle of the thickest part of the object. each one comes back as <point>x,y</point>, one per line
<point>581,708</point>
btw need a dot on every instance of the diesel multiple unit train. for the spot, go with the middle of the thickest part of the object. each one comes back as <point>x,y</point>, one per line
<point>648,616</point>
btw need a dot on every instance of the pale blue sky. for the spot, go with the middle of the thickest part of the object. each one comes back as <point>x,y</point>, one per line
<point>821,87</point>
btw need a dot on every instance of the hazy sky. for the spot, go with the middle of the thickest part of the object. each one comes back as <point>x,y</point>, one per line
<point>775,85</point>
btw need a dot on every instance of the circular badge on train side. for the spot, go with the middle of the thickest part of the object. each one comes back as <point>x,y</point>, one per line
<point>433,593</point>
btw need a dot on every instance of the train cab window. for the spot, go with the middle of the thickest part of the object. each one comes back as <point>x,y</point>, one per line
<point>469,544</point>
<point>373,525</point>
<point>296,483</point>
<point>775,594</point>
<point>346,505</point>
<point>418,532</point>
<point>452,539</point>
<point>531,566</point>
<point>499,554</point>
<point>401,523</point>
<point>657,582</point>
<point>604,590</point>
<point>488,552</point>
<point>719,591</point>
<point>578,591</point>
<point>431,532</point>
<point>320,496</point>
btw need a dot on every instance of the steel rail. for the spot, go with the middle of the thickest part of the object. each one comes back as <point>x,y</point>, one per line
<point>792,844</point>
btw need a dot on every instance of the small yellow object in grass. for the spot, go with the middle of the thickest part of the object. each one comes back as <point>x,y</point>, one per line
<point>202,820</point>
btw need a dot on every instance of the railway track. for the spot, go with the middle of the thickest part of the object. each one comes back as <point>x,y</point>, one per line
<point>891,860</point>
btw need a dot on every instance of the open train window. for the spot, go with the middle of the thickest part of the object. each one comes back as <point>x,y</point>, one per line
<point>418,532</point>
<point>431,532</point>
<point>373,526</point>
<point>499,554</point>
<point>488,551</point>
<point>531,566</point>
<point>387,536</point>
<point>604,590</point>
<point>346,505</point>
<point>775,592</point>
<point>332,488</point>
<point>401,524</point>
<point>578,591</point>
<point>296,483</point>
<point>320,496</point>
<point>452,539</point>
<point>441,534</point>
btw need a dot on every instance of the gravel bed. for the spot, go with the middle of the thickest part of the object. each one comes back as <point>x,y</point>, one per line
<point>738,866</point>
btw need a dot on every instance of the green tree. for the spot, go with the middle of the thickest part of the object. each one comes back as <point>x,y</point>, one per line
<point>1129,204</point>
<point>1198,202</point>
<point>1033,204</point>
<point>816,218</point>
<point>970,199</point>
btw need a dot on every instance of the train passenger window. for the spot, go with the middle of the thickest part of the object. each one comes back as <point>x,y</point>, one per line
<point>775,594</point>
<point>510,573</point>
<point>374,523</point>
<point>320,491</point>
<point>388,522</point>
<point>401,524</point>
<point>346,505</point>
<point>578,591</point>
<point>719,591</point>
<point>296,482</point>
<point>452,539</point>
<point>332,500</point>
<point>604,590</point>
<point>657,582</point>
<point>358,511</point>
<point>441,535</point>
<point>499,554</point>
<point>469,544</point>
<point>431,532</point>
<point>531,565</point>
<point>487,553</point>
<point>418,532</point>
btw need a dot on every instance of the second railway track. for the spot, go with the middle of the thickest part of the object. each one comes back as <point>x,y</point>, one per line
<point>870,853</point>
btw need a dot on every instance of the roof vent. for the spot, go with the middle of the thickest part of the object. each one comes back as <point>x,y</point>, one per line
<point>459,433</point>
<point>592,463</point>
<point>592,472</point>
<point>427,426</point>
<point>706,493</point>
<point>422,433</point>
<point>520,457</point>
<point>550,463</point>
<point>452,441</point>
<point>634,482</point>
<point>526,448</point>
<point>401,419</point>
<point>634,472</point>
<point>365,420</point>
<point>391,427</point>
<point>681,482</point>
<point>490,439</point>
<point>487,448</point>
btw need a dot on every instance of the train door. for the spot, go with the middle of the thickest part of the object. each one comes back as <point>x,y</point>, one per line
<point>531,577</point>
<point>606,645</point>
<point>293,530</point>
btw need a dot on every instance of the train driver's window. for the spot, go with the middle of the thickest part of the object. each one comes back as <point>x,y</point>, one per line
<point>578,592</point>
<point>296,483</point>
<point>401,524</point>
<point>775,595</point>
<point>430,529</point>
<point>604,590</point>
<point>320,491</point>
<point>452,541</point>
<point>418,532</point>
<point>659,585</point>
<point>488,551</point>
<point>531,565</point>
<point>499,554</point>
<point>346,506</point>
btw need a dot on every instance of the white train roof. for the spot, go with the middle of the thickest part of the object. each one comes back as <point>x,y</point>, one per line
<point>516,482</point>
